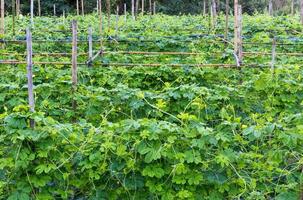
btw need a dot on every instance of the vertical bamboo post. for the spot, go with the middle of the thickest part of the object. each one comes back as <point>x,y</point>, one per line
<point>142,7</point>
<point>125,13</point>
<point>214,9</point>
<point>90,46</point>
<point>77,7</point>
<point>13,15</point>
<point>226,21</point>
<point>137,7</point>
<point>133,9</point>
<point>39,8</point>
<point>218,7</point>
<point>101,22</point>
<point>211,19</point>
<point>117,21</point>
<point>270,7</point>
<point>55,10</point>
<point>74,62</point>
<point>82,7</point>
<point>31,99</point>
<point>204,7</point>
<point>108,13</point>
<point>150,7</point>
<point>155,8</point>
<point>301,12</point>
<point>292,8</point>
<point>236,26</point>
<point>17,8</point>
<point>97,6</point>
<point>240,41</point>
<point>32,12</point>
<point>273,55</point>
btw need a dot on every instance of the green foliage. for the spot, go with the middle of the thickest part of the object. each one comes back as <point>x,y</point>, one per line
<point>152,133</point>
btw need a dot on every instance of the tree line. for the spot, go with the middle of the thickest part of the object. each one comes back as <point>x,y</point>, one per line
<point>163,6</point>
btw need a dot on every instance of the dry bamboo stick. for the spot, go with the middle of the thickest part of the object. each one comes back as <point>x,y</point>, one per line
<point>74,63</point>
<point>39,8</point>
<point>133,9</point>
<point>82,7</point>
<point>77,7</point>
<point>90,46</point>
<point>31,99</point>
<point>32,12</point>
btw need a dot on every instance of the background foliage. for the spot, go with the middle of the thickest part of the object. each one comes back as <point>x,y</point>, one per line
<point>165,6</point>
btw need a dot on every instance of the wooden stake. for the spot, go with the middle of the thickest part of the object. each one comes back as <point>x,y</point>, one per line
<point>137,7</point>
<point>117,21</point>
<point>39,8</point>
<point>32,12</point>
<point>55,10</point>
<point>90,46</point>
<point>31,99</point>
<point>292,7</point>
<point>74,61</point>
<point>301,12</point>
<point>204,7</point>
<point>77,2</point>
<point>101,23</point>
<point>155,8</point>
<point>273,54</point>
<point>13,15</point>
<point>236,26</point>
<point>226,21</point>
<point>108,13</point>
<point>133,9</point>
<point>18,8</point>
<point>142,7</point>
<point>150,7</point>
<point>270,8</point>
<point>125,13</point>
<point>240,41</point>
<point>82,7</point>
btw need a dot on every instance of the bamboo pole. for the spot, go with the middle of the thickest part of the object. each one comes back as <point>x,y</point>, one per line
<point>273,55</point>
<point>13,16</point>
<point>90,46</point>
<point>155,8</point>
<point>292,8</point>
<point>100,23</point>
<point>301,12</point>
<point>74,62</point>
<point>270,8</point>
<point>31,99</point>
<point>32,12</point>
<point>236,26</point>
<point>204,8</point>
<point>55,13</point>
<point>108,13</point>
<point>240,40</point>
<point>39,8</point>
<point>82,7</point>
<point>142,7</point>
<point>77,7</point>
<point>214,11</point>
<point>226,21</point>
<point>137,7</point>
<point>125,13</point>
<point>18,8</point>
<point>133,9</point>
<point>117,21</point>
<point>150,7</point>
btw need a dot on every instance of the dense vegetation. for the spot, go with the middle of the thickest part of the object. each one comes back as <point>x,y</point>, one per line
<point>154,132</point>
<point>164,6</point>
